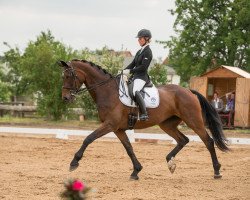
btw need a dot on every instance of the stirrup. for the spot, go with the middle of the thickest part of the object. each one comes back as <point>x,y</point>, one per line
<point>144,117</point>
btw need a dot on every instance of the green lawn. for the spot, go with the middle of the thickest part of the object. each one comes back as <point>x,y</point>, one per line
<point>41,122</point>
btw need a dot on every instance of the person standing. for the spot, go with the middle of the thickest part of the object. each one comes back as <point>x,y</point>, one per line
<point>139,70</point>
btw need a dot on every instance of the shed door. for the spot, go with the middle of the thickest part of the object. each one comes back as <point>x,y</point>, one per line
<point>242,103</point>
<point>199,84</point>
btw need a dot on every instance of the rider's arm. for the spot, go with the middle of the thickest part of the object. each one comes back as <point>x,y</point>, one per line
<point>131,65</point>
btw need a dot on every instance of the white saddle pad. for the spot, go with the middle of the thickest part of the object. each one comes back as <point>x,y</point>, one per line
<point>151,97</point>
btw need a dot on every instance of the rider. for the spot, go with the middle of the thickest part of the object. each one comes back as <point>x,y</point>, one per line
<point>139,70</point>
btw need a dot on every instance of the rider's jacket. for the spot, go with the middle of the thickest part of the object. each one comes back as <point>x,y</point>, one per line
<point>139,66</point>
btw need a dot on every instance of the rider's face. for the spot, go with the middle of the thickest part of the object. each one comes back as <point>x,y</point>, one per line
<point>141,41</point>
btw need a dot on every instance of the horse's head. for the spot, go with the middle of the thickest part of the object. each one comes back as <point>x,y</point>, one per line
<point>78,72</point>
<point>71,81</point>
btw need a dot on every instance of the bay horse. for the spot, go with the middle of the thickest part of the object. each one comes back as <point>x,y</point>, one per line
<point>177,104</point>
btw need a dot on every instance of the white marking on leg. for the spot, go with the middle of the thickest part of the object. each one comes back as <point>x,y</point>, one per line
<point>171,165</point>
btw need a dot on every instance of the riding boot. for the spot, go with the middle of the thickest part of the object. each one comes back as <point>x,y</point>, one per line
<point>142,106</point>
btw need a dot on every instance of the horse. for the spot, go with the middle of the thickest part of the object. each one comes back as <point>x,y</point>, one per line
<point>177,104</point>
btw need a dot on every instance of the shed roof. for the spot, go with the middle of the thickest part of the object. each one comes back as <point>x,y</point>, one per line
<point>235,70</point>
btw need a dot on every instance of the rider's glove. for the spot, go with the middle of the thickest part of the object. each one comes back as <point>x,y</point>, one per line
<point>126,71</point>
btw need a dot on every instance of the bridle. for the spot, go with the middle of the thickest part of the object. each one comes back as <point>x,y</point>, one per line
<point>75,90</point>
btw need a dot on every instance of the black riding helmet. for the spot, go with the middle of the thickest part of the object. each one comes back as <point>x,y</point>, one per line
<point>144,33</point>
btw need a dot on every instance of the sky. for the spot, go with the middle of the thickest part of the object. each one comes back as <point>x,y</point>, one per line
<point>87,23</point>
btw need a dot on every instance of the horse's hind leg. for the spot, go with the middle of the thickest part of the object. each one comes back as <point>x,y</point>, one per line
<point>216,164</point>
<point>170,127</point>
<point>198,127</point>
<point>127,145</point>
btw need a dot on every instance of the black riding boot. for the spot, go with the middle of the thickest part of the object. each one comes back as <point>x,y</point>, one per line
<point>142,107</point>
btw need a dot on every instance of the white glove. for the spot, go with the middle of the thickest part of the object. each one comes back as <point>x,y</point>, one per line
<point>126,71</point>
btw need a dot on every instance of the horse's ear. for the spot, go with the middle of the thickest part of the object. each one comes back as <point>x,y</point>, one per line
<point>62,63</point>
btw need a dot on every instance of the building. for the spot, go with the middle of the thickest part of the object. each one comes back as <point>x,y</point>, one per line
<point>172,76</point>
<point>225,79</point>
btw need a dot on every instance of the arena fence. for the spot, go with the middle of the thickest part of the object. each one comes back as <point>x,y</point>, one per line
<point>133,137</point>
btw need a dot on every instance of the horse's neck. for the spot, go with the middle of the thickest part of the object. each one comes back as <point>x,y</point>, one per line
<point>91,76</point>
<point>105,94</point>
<point>100,93</point>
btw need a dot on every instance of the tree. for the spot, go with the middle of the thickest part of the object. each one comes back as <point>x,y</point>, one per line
<point>39,65</point>
<point>109,59</point>
<point>12,76</point>
<point>37,71</point>
<point>4,86</point>
<point>158,74</point>
<point>209,33</point>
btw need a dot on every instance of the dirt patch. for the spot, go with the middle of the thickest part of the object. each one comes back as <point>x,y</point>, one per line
<point>35,168</point>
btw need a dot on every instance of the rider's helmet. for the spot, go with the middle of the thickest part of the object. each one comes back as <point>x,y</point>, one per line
<point>144,33</point>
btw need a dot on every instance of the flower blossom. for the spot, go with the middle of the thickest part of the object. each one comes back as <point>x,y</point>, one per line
<point>77,186</point>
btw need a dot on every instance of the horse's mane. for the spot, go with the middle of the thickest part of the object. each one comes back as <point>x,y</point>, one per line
<point>95,66</point>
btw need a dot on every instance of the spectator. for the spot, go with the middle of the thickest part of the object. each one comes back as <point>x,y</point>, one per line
<point>229,109</point>
<point>230,103</point>
<point>217,103</point>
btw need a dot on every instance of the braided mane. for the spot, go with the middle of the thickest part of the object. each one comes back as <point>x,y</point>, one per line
<point>95,66</point>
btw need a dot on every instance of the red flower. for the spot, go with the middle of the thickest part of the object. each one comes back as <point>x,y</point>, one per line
<point>77,186</point>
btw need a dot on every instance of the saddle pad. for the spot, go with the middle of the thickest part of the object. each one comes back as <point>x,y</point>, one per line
<point>151,97</point>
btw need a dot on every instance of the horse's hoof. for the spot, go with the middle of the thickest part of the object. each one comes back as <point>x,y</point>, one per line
<point>217,176</point>
<point>73,167</point>
<point>134,178</point>
<point>171,165</point>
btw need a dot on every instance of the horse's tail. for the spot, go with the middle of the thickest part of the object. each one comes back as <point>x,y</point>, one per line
<point>213,121</point>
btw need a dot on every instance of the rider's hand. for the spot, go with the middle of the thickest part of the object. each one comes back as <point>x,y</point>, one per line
<point>126,71</point>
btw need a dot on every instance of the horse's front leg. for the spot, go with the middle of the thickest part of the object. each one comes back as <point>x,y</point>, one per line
<point>127,145</point>
<point>101,131</point>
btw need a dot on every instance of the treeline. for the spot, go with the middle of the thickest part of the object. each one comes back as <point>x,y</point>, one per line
<point>209,34</point>
<point>35,73</point>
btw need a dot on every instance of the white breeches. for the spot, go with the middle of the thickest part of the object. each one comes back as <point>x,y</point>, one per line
<point>138,85</point>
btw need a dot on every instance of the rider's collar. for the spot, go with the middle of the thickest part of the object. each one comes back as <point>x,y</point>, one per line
<point>144,47</point>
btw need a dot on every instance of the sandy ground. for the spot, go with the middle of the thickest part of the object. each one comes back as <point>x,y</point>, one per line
<point>35,168</point>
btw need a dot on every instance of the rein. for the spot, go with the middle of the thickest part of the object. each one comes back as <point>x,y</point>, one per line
<point>95,85</point>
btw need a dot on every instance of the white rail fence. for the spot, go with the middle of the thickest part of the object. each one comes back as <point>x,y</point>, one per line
<point>64,133</point>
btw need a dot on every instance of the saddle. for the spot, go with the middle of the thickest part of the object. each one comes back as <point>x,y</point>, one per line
<point>130,84</point>
<point>149,93</point>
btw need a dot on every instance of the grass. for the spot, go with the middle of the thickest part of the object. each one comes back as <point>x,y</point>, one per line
<point>41,122</point>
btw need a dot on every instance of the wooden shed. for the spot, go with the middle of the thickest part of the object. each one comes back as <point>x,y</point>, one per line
<point>225,79</point>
